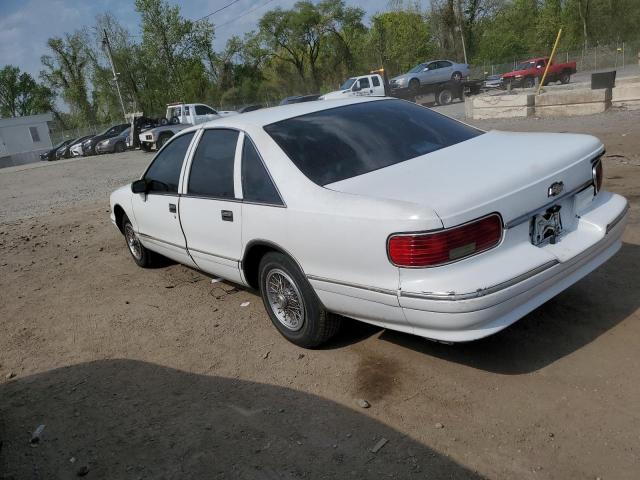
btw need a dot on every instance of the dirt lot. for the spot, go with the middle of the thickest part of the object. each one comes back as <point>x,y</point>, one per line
<point>162,374</point>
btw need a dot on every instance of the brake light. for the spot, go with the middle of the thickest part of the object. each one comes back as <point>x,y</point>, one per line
<point>445,246</point>
<point>597,174</point>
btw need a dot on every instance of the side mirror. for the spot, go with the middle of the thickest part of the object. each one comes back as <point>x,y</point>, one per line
<point>356,87</point>
<point>139,186</point>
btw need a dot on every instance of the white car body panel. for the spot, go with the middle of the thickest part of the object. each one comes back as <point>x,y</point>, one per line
<point>76,150</point>
<point>337,234</point>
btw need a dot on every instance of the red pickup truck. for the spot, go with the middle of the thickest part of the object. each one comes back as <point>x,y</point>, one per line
<point>525,73</point>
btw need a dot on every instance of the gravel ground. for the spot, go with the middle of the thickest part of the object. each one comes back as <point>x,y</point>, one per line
<point>162,374</point>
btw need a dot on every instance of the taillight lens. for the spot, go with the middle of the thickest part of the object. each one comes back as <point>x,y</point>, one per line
<point>445,246</point>
<point>598,174</point>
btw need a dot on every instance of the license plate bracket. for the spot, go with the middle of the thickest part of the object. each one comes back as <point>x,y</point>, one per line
<point>546,227</point>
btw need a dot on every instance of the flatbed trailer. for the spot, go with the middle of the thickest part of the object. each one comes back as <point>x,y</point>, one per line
<point>442,93</point>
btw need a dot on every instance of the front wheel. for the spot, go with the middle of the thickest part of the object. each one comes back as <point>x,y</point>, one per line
<point>291,303</point>
<point>529,82</point>
<point>414,85</point>
<point>145,146</point>
<point>143,257</point>
<point>120,147</point>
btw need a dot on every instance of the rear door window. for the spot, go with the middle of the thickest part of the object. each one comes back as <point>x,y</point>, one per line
<point>376,82</point>
<point>211,172</point>
<point>257,185</point>
<point>343,142</point>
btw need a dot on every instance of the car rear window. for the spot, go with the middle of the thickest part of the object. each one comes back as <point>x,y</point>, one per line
<point>344,142</point>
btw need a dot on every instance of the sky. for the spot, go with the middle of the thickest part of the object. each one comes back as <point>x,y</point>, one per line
<point>25,25</point>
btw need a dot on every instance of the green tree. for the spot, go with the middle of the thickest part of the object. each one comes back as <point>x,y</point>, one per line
<point>21,95</point>
<point>67,72</point>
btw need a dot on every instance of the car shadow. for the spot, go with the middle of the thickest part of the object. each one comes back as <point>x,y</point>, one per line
<point>130,419</point>
<point>566,323</point>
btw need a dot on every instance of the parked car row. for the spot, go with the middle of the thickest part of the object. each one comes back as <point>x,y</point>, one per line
<point>113,139</point>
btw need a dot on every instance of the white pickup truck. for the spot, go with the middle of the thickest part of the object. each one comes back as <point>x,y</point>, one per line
<point>178,117</point>
<point>371,85</point>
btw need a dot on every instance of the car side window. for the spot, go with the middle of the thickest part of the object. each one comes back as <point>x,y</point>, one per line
<point>204,110</point>
<point>163,176</point>
<point>444,64</point>
<point>376,82</point>
<point>364,82</point>
<point>211,172</point>
<point>257,185</point>
<point>433,66</point>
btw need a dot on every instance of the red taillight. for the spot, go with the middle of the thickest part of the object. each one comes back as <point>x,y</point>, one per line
<point>597,175</point>
<point>444,246</point>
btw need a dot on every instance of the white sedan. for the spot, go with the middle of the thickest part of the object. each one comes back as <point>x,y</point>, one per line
<point>379,210</point>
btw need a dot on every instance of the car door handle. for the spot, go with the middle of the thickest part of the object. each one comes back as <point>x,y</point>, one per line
<point>227,215</point>
<point>172,207</point>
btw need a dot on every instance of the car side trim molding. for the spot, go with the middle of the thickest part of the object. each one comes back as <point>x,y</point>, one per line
<point>481,292</point>
<point>369,288</point>
<point>191,249</point>
<point>144,235</point>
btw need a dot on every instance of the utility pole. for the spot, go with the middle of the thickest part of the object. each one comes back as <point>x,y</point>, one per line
<point>107,46</point>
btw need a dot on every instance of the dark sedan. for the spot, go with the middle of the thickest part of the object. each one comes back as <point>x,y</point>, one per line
<point>89,146</point>
<point>51,154</point>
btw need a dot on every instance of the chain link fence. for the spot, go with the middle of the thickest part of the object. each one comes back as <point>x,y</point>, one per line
<point>59,134</point>
<point>622,56</point>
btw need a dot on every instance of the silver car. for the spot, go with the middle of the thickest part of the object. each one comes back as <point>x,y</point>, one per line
<point>428,73</point>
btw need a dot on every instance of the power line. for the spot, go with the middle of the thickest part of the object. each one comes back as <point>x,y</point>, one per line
<point>218,10</point>
<point>218,27</point>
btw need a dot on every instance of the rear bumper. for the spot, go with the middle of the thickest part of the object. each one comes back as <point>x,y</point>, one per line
<point>494,289</point>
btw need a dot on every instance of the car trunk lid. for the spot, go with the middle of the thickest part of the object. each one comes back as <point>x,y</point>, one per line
<point>505,172</point>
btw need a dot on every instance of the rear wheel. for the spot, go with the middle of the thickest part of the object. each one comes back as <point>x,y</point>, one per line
<point>291,303</point>
<point>445,97</point>
<point>565,77</point>
<point>456,77</point>
<point>143,257</point>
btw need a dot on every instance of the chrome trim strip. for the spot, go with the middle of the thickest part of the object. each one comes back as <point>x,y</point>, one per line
<point>144,235</point>
<point>528,215</point>
<point>617,220</point>
<point>191,249</point>
<point>354,285</point>
<point>452,296</point>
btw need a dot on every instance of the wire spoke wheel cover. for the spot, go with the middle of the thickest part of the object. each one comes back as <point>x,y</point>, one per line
<point>285,299</point>
<point>132,242</point>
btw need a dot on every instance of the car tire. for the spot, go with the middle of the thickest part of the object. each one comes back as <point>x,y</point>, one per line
<point>529,82</point>
<point>145,146</point>
<point>292,304</point>
<point>414,85</point>
<point>144,258</point>
<point>120,147</point>
<point>445,97</point>
<point>565,77</point>
<point>456,77</point>
<point>162,140</point>
<point>164,121</point>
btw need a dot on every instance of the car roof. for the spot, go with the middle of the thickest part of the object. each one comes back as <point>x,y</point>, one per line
<point>266,116</point>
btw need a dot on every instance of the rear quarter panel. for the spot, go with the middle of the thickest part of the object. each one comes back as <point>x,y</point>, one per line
<point>330,234</point>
